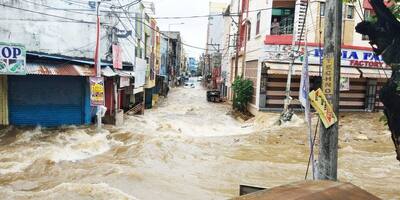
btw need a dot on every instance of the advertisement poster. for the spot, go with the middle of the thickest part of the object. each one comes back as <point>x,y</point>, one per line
<point>344,84</point>
<point>12,59</point>
<point>323,108</point>
<point>97,95</point>
<point>328,76</point>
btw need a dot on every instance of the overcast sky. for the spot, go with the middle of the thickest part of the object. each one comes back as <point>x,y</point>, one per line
<point>194,31</point>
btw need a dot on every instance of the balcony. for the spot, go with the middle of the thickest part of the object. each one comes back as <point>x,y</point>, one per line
<point>278,39</point>
<point>282,23</point>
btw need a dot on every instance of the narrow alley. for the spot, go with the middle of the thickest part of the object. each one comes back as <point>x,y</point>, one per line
<point>186,148</point>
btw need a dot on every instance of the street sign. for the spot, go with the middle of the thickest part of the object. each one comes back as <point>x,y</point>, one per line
<point>12,59</point>
<point>97,96</point>
<point>323,108</point>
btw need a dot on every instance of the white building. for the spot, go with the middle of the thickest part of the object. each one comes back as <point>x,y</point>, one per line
<point>263,51</point>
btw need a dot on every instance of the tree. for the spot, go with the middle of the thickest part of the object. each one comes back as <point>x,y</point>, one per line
<point>384,36</point>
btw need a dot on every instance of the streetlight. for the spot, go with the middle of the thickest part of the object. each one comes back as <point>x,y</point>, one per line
<point>169,30</point>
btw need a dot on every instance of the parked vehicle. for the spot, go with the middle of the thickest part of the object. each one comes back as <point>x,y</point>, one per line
<point>214,96</point>
<point>199,78</point>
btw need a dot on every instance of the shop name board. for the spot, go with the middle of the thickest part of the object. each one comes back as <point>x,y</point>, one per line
<point>349,57</point>
<point>357,58</point>
<point>12,59</point>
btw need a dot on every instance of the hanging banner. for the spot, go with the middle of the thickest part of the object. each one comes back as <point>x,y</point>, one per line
<point>344,84</point>
<point>323,108</point>
<point>117,56</point>
<point>97,91</point>
<point>12,59</point>
<point>328,76</point>
<point>304,84</point>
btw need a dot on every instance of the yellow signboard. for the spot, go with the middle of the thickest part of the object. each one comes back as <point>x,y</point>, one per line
<point>328,76</point>
<point>97,91</point>
<point>323,107</point>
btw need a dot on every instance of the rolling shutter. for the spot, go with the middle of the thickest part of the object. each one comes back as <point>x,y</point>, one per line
<point>46,100</point>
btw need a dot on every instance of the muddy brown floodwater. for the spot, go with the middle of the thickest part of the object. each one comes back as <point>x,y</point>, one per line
<point>186,148</point>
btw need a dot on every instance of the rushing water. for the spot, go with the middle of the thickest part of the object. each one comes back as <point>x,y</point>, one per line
<point>186,148</point>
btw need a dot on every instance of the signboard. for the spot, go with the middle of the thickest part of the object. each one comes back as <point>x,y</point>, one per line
<point>323,108</point>
<point>349,57</point>
<point>328,76</point>
<point>117,56</point>
<point>124,82</point>
<point>97,94</point>
<point>12,59</point>
<point>344,84</point>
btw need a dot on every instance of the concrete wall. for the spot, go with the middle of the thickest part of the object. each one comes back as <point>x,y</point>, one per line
<point>66,34</point>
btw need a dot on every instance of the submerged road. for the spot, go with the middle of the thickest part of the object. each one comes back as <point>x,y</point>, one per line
<point>185,148</point>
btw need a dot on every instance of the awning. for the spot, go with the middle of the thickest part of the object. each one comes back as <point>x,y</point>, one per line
<point>124,73</point>
<point>108,72</point>
<point>376,73</point>
<point>59,69</point>
<point>313,70</point>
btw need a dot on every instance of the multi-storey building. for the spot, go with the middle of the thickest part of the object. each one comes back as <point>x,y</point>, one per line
<point>269,30</point>
<point>215,41</point>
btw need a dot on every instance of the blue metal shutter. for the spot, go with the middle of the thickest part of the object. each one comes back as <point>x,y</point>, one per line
<point>46,100</point>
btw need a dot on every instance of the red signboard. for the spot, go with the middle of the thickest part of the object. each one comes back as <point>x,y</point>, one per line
<point>117,56</point>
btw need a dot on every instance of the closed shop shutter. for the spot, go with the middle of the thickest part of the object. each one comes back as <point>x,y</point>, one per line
<point>3,101</point>
<point>251,74</point>
<point>46,100</point>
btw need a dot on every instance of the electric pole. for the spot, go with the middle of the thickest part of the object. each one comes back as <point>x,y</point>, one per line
<point>328,152</point>
<point>237,41</point>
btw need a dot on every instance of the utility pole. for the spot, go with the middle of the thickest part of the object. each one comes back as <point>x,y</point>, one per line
<point>328,152</point>
<point>98,61</point>
<point>237,41</point>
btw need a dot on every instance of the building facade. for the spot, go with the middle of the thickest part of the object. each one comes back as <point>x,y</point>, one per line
<point>60,61</point>
<point>267,30</point>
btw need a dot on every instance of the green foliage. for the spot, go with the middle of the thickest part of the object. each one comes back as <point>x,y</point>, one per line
<point>243,91</point>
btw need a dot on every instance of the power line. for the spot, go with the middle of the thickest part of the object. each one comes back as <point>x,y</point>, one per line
<point>46,14</point>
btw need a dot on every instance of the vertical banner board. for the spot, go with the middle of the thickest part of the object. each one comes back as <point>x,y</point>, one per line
<point>97,94</point>
<point>323,108</point>
<point>12,59</point>
<point>117,56</point>
<point>328,76</point>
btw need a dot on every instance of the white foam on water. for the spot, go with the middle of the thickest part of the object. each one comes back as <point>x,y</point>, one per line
<point>72,145</point>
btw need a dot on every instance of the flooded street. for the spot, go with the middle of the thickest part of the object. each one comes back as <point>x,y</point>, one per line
<point>186,148</point>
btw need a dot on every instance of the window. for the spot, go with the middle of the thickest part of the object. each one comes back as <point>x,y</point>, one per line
<point>350,12</point>
<point>248,31</point>
<point>322,9</point>
<point>258,23</point>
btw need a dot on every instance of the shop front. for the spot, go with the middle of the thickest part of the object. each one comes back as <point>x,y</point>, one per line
<point>362,76</point>
<point>50,95</point>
